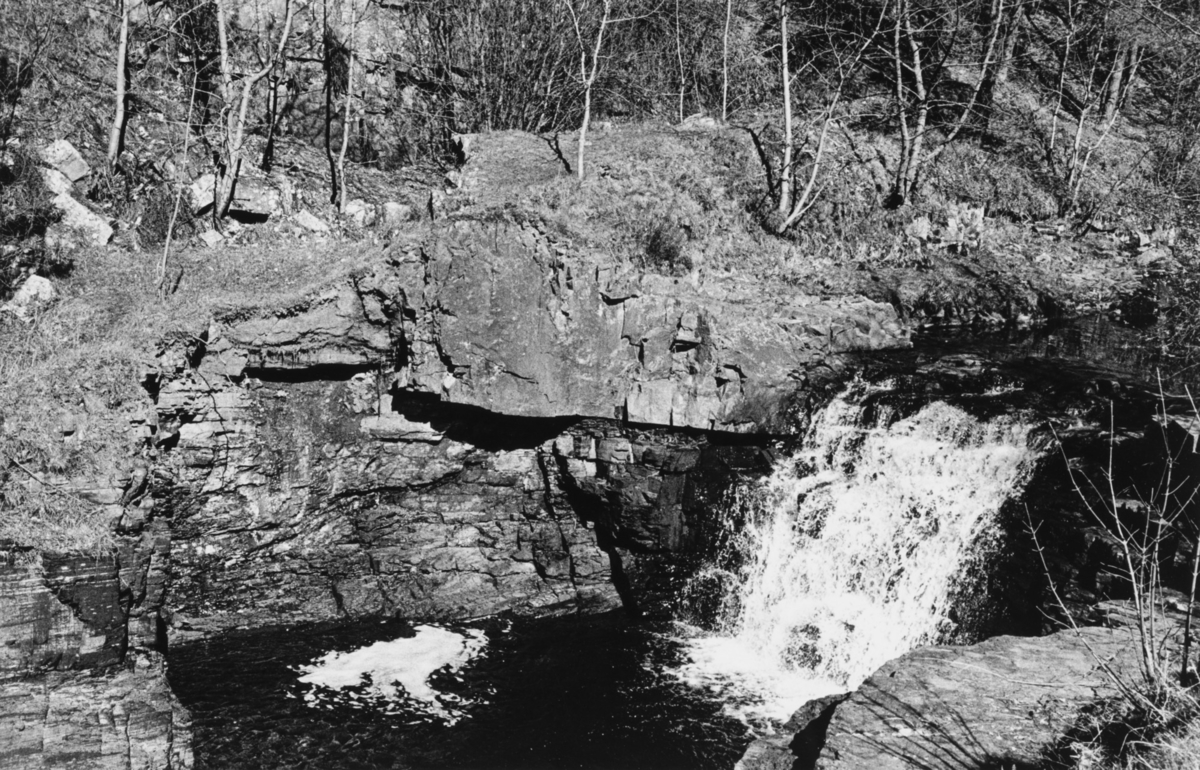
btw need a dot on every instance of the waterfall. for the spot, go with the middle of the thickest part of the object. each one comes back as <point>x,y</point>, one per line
<point>846,555</point>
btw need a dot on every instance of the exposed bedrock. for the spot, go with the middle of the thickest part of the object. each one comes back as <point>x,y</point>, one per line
<point>81,681</point>
<point>484,419</point>
<point>1001,703</point>
<point>500,315</point>
<point>302,500</point>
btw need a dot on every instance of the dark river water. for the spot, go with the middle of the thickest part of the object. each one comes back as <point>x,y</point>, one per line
<point>566,692</point>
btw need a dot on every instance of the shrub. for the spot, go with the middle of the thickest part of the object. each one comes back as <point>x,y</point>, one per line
<point>1158,699</point>
<point>158,216</point>
<point>663,249</point>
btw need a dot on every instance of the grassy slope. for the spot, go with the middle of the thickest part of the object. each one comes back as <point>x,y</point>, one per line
<point>70,381</point>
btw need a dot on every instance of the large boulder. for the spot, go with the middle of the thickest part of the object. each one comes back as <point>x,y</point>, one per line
<point>1001,703</point>
<point>92,227</point>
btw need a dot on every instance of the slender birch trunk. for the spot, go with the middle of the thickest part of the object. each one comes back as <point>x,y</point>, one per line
<point>116,134</point>
<point>725,62</point>
<point>587,74</point>
<point>347,117</point>
<point>789,146</point>
<point>679,56</point>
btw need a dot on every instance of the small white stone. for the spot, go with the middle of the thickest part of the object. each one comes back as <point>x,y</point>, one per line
<point>309,222</point>
<point>202,192</point>
<point>63,156</point>
<point>79,217</point>
<point>396,214</point>
<point>34,294</point>
<point>359,213</point>
<point>211,238</point>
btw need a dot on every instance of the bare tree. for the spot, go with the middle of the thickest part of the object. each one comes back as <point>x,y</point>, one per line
<point>793,205</point>
<point>116,134</point>
<point>236,107</point>
<point>725,61</point>
<point>1070,162</point>
<point>915,70</point>
<point>789,140</point>
<point>339,174</point>
<point>589,67</point>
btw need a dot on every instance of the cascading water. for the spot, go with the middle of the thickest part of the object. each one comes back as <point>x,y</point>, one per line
<point>847,555</point>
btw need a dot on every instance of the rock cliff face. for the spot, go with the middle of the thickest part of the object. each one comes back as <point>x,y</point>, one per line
<point>485,419</point>
<point>302,500</point>
<point>80,682</point>
<point>498,315</point>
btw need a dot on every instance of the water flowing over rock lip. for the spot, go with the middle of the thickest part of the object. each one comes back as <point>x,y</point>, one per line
<point>850,552</point>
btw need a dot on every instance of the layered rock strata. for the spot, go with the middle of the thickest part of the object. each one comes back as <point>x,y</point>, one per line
<point>80,682</point>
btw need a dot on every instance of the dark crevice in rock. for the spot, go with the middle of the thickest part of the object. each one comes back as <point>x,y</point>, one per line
<point>479,427</point>
<point>812,721</point>
<point>309,373</point>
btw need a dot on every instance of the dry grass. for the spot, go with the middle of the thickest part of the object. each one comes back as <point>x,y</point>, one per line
<point>70,381</point>
<point>1179,750</point>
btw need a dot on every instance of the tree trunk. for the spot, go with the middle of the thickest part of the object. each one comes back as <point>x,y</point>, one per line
<point>1012,31</point>
<point>1135,59</point>
<point>230,153</point>
<point>116,134</point>
<point>1116,74</point>
<point>725,62</point>
<point>327,63</point>
<point>340,185</point>
<point>268,157</point>
<point>679,56</point>
<point>789,146</point>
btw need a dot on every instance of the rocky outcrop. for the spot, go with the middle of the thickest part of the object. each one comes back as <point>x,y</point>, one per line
<point>305,500</point>
<point>493,414</point>
<point>501,316</point>
<point>123,719</point>
<point>311,500</point>
<point>80,682</point>
<point>1000,703</point>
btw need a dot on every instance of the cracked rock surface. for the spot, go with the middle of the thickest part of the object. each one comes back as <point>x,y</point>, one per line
<point>999,703</point>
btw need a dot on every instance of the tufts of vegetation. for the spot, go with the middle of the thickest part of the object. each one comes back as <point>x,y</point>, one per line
<point>663,249</point>
<point>162,213</point>
<point>25,214</point>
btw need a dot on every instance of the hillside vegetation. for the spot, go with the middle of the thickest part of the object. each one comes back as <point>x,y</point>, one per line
<point>1031,157</point>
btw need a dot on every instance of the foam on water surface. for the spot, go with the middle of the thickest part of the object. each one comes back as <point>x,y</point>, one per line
<point>393,673</point>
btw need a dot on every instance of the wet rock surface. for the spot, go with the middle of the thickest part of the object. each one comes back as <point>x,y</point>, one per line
<point>1001,703</point>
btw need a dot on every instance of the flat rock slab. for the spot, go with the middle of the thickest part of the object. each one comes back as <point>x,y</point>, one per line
<point>997,704</point>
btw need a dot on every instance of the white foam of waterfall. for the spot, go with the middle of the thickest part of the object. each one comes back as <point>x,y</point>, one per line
<point>846,556</point>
